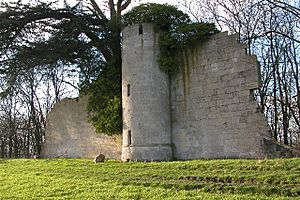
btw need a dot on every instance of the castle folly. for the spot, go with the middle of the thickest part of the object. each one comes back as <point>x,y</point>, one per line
<point>205,110</point>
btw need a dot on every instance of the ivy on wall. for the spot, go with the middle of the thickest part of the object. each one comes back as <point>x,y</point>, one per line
<point>176,30</point>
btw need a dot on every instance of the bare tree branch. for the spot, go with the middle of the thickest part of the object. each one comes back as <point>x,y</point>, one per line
<point>285,6</point>
<point>97,9</point>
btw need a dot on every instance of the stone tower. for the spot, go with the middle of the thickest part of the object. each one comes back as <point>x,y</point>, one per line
<point>146,97</point>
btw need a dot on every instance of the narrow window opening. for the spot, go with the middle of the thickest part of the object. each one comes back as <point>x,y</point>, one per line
<point>140,29</point>
<point>128,90</point>
<point>129,138</point>
<point>251,95</point>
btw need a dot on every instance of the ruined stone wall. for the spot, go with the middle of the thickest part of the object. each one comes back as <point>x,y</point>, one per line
<point>212,107</point>
<point>68,134</point>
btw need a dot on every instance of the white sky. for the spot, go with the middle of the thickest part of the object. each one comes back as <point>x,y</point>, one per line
<point>137,2</point>
<point>102,3</point>
<point>174,2</point>
<point>134,2</point>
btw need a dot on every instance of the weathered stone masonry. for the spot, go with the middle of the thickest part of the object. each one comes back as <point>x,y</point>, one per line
<point>69,134</point>
<point>206,110</point>
<point>213,111</point>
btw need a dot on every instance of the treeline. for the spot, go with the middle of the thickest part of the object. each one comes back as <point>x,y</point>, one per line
<point>48,51</point>
<point>23,112</point>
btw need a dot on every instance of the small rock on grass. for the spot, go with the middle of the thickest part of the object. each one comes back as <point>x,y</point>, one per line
<point>99,158</point>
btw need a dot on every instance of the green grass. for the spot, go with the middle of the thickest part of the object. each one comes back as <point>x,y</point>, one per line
<point>209,179</point>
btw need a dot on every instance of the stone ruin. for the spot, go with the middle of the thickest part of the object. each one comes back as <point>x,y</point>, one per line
<point>204,111</point>
<point>70,135</point>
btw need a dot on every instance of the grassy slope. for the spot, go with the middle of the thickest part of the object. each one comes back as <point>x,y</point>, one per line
<point>213,179</point>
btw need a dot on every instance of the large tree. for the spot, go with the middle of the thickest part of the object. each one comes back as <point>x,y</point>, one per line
<point>43,47</point>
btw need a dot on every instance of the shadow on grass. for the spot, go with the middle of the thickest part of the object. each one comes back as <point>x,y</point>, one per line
<point>2,161</point>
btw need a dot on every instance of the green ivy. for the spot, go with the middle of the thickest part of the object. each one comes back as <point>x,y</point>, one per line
<point>105,107</point>
<point>107,120</point>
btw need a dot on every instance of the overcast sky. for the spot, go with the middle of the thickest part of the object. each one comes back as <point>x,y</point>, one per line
<point>158,1</point>
<point>136,2</point>
<point>101,2</point>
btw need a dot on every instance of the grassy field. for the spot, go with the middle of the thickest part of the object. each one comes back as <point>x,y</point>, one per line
<point>212,179</point>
